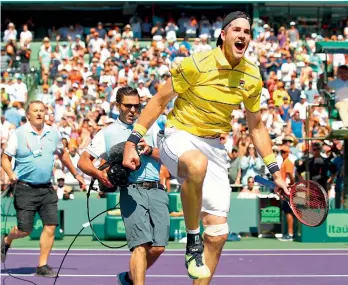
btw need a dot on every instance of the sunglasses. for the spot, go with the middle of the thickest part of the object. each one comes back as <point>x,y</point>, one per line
<point>130,106</point>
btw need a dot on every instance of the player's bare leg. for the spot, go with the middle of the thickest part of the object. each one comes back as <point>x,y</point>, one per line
<point>193,166</point>
<point>213,246</point>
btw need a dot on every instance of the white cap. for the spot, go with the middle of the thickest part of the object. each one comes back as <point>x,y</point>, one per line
<point>314,35</point>
<point>303,96</point>
<point>75,85</point>
<point>340,37</point>
<point>292,24</point>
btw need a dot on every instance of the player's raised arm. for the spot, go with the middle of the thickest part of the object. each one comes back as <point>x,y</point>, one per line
<point>148,116</point>
<point>155,106</point>
<point>263,144</point>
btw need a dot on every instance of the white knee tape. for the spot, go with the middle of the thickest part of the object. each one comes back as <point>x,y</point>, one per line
<point>216,230</point>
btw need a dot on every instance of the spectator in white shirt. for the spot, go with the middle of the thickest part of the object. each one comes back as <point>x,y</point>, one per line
<point>95,43</point>
<point>301,106</point>
<point>78,42</point>
<point>287,69</point>
<point>171,30</point>
<point>20,91</point>
<point>10,33</point>
<point>340,85</point>
<point>25,36</point>
<point>144,92</point>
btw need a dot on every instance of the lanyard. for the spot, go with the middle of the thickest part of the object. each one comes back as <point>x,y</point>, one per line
<point>28,146</point>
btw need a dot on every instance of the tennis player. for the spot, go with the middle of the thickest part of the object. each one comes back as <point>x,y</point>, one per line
<point>208,86</point>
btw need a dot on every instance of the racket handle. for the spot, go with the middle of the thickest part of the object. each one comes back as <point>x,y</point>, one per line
<point>264,182</point>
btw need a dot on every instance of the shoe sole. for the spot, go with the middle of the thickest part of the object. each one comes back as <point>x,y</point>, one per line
<point>45,276</point>
<point>189,275</point>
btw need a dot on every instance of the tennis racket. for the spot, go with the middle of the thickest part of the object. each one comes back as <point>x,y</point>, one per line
<point>308,201</point>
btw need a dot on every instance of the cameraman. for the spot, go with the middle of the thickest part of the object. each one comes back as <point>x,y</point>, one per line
<point>144,203</point>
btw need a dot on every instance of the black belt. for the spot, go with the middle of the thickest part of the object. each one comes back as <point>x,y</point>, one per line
<point>149,184</point>
<point>45,185</point>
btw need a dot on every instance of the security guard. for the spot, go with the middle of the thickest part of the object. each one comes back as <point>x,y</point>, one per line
<point>33,147</point>
<point>144,203</point>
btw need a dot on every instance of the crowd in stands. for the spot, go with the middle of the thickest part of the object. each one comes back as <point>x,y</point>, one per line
<point>81,73</point>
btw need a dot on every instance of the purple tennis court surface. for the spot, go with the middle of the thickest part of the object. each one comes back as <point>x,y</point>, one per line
<point>242,267</point>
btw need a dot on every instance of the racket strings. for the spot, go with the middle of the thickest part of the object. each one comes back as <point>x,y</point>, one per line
<point>309,203</point>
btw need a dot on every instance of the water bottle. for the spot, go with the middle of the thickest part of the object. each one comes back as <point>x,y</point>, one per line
<point>176,236</point>
<point>180,235</point>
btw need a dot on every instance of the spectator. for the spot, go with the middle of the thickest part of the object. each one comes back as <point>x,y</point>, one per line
<point>250,187</point>
<point>250,164</point>
<point>20,91</point>
<point>287,171</point>
<point>13,116</point>
<point>296,125</point>
<point>10,34</point>
<point>340,85</point>
<point>25,37</point>
<point>294,93</point>
<point>301,107</point>
<point>234,172</point>
<point>319,167</point>
<point>5,61</point>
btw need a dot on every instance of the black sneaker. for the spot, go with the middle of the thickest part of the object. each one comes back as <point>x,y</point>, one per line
<point>4,249</point>
<point>45,271</point>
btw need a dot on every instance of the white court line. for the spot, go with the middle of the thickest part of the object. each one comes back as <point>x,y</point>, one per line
<point>232,250</point>
<point>180,254</point>
<point>185,276</point>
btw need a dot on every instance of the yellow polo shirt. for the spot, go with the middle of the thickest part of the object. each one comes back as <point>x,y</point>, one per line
<point>209,89</point>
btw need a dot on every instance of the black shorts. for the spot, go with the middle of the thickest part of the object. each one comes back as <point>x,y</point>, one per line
<point>28,200</point>
<point>286,207</point>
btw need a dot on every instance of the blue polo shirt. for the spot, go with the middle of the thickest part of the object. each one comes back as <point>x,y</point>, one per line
<point>119,132</point>
<point>34,153</point>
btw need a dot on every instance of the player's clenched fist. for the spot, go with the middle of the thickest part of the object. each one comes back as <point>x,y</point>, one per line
<point>131,158</point>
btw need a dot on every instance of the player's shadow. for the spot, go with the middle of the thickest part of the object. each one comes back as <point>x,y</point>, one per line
<point>19,270</point>
<point>27,270</point>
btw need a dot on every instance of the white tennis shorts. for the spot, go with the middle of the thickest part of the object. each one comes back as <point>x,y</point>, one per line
<point>216,187</point>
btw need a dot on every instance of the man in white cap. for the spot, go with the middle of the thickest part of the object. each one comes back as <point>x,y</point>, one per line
<point>302,106</point>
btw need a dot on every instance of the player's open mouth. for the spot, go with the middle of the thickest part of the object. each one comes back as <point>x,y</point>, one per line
<point>239,45</point>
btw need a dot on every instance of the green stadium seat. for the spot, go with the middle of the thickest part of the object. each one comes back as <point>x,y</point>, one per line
<point>112,199</point>
<point>99,230</point>
<point>174,202</point>
<point>114,228</point>
<point>38,226</point>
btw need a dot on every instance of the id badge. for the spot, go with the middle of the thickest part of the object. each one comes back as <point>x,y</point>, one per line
<point>37,153</point>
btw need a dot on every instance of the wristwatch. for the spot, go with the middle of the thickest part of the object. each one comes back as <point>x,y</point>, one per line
<point>151,151</point>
